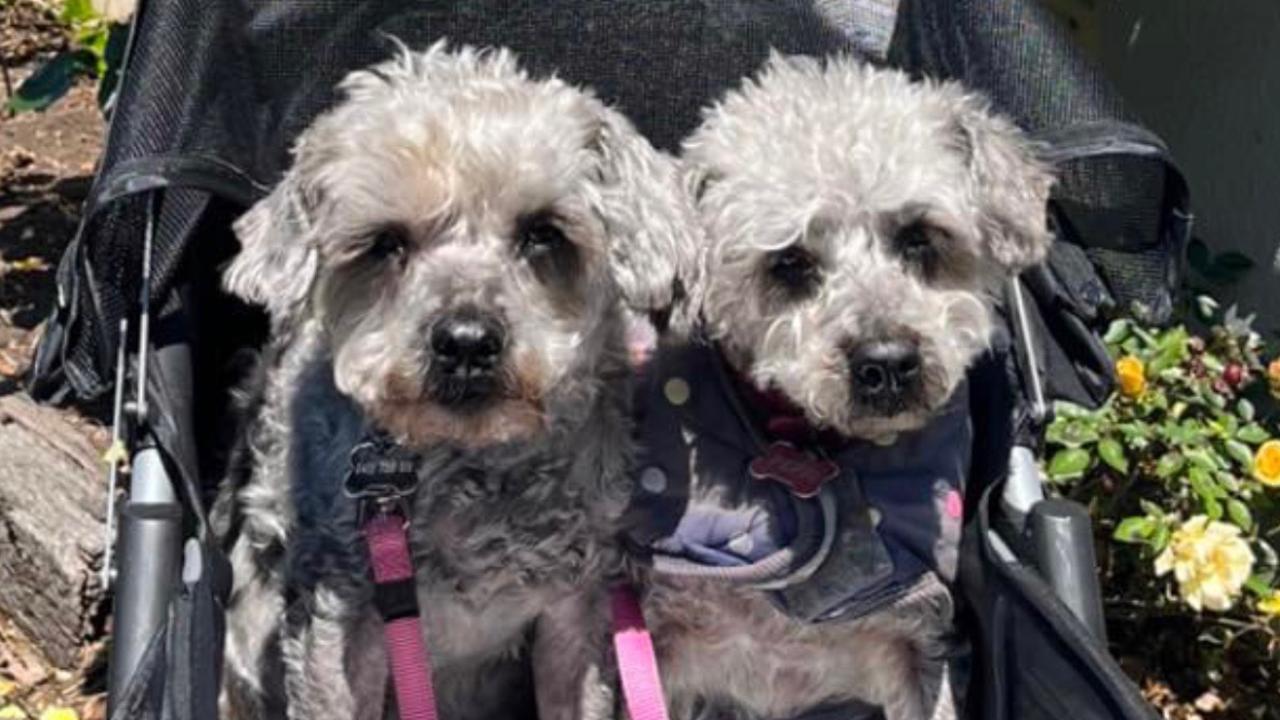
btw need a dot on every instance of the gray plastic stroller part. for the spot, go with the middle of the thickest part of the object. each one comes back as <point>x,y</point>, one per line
<point>1023,488</point>
<point>1062,543</point>
<point>150,546</point>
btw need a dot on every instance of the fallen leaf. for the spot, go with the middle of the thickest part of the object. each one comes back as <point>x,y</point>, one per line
<point>12,712</point>
<point>95,709</point>
<point>7,687</point>
<point>59,713</point>
<point>1210,702</point>
<point>31,263</point>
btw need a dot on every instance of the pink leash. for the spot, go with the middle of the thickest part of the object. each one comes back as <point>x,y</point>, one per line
<point>637,663</point>
<point>396,597</point>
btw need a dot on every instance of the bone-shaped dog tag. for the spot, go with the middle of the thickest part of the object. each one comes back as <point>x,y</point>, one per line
<point>381,468</point>
<point>803,473</point>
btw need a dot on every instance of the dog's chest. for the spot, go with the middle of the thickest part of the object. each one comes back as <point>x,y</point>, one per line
<point>479,533</point>
<point>715,640</point>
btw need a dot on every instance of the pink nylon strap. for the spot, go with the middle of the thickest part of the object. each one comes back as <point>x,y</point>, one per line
<point>637,663</point>
<point>388,541</point>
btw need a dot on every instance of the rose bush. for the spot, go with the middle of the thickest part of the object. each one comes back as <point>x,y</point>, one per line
<point>1180,469</point>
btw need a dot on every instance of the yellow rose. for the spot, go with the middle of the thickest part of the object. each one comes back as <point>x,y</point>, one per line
<point>1273,377</point>
<point>1266,463</point>
<point>1132,376</point>
<point>1210,561</point>
<point>1270,605</point>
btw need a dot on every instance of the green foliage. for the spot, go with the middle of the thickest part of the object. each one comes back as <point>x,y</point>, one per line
<point>1187,434</point>
<point>97,51</point>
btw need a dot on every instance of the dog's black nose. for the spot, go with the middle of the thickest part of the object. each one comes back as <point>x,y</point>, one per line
<point>467,346</point>
<point>885,371</point>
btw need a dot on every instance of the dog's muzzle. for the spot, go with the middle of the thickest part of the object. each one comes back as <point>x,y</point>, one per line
<point>467,351</point>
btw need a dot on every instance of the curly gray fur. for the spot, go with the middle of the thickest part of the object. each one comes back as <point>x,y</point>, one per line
<point>512,525</point>
<point>835,157</point>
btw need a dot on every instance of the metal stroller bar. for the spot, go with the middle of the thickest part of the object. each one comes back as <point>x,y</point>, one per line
<point>150,526</point>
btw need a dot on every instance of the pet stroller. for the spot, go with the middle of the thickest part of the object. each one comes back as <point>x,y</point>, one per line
<point>213,94</point>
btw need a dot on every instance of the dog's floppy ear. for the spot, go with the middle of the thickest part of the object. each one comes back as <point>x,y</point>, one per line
<point>1010,186</point>
<point>277,259</point>
<point>649,219</point>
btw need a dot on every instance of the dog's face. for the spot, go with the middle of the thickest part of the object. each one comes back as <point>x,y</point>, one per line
<point>464,236</point>
<point>857,224</point>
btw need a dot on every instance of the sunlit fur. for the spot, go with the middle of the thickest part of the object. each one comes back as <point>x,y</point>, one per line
<point>453,149</point>
<point>833,155</point>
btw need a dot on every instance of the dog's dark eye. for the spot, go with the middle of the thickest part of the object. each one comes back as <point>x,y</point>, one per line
<point>795,269</point>
<point>544,246</point>
<point>387,243</point>
<point>916,244</point>
<point>539,234</point>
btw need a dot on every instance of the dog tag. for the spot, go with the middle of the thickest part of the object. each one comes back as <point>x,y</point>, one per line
<point>381,468</point>
<point>800,471</point>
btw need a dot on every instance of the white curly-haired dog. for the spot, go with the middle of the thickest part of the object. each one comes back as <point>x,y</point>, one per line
<point>858,226</point>
<point>447,261</point>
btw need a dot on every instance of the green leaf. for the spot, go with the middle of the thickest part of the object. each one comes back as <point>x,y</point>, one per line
<point>76,12</point>
<point>1151,508</point>
<point>1068,464</point>
<point>1147,338</point>
<point>1071,433</point>
<point>46,84</point>
<point>1160,538</point>
<point>1244,409</point>
<point>1112,453</point>
<point>1258,585</point>
<point>1202,483</point>
<point>1253,433</point>
<point>1241,454</point>
<point>1170,350</point>
<point>1212,508</point>
<point>1228,481</point>
<point>1134,529</point>
<point>1239,514</point>
<point>1117,331</point>
<point>1169,464</point>
<point>1067,410</point>
<point>1201,458</point>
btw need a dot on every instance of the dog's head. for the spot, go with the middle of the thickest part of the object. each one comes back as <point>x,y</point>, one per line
<point>857,224</point>
<point>464,235</point>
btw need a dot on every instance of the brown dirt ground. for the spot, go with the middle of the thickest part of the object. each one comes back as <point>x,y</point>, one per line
<point>46,165</point>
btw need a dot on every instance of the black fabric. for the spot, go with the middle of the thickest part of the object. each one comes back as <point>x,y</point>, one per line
<point>196,638</point>
<point>1033,659</point>
<point>178,675</point>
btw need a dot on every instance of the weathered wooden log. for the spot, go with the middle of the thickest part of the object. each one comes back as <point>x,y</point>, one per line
<point>51,528</point>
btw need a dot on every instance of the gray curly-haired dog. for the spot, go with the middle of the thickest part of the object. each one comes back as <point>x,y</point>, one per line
<point>447,261</point>
<point>857,228</point>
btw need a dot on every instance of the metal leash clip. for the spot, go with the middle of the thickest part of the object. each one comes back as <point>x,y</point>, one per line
<point>382,476</point>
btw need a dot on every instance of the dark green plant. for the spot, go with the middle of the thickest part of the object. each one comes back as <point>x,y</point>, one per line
<point>97,51</point>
